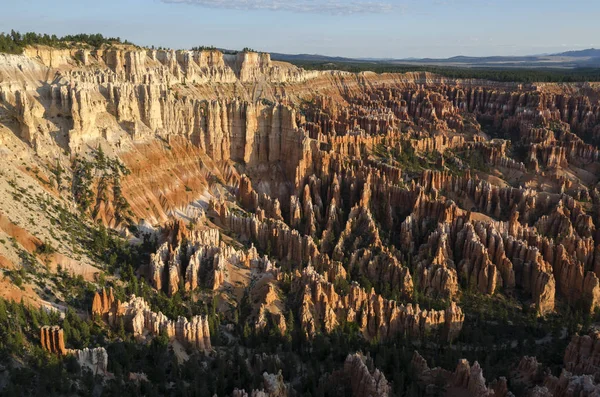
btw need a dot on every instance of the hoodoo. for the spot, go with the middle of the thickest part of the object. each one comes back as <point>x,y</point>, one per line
<point>212,222</point>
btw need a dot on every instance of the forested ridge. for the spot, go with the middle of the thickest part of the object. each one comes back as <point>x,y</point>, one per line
<point>15,42</point>
<point>532,75</point>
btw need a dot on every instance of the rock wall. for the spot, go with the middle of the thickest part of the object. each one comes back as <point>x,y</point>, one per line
<point>192,259</point>
<point>96,360</point>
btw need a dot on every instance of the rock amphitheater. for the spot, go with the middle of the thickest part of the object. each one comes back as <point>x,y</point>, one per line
<point>378,200</point>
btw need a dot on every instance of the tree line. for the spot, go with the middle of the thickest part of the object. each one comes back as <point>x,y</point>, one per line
<point>14,42</point>
<point>493,74</point>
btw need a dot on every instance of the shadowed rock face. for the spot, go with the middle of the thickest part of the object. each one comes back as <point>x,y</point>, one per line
<point>579,375</point>
<point>466,380</point>
<point>362,381</point>
<point>274,385</point>
<point>582,356</point>
<point>95,359</point>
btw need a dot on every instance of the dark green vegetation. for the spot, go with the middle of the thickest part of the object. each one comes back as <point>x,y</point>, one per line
<point>488,73</point>
<point>407,159</point>
<point>213,48</point>
<point>15,42</point>
<point>413,163</point>
<point>510,332</point>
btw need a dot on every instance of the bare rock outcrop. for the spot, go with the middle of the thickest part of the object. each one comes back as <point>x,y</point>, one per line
<point>362,381</point>
<point>466,380</point>
<point>96,359</point>
<point>137,317</point>
<point>53,340</point>
<point>274,386</point>
<point>322,309</point>
<point>192,259</point>
<point>582,355</point>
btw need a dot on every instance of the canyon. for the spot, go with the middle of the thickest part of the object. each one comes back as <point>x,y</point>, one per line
<point>300,202</point>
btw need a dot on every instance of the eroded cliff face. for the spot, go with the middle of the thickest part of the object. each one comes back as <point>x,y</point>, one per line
<point>317,199</point>
<point>53,340</point>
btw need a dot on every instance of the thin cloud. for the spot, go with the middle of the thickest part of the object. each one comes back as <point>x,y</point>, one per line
<point>336,7</point>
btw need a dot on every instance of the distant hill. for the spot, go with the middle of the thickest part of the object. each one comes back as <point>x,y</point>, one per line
<point>589,58</point>
<point>589,53</point>
<point>309,57</point>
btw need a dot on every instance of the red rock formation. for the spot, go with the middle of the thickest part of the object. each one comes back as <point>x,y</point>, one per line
<point>53,340</point>
<point>192,258</point>
<point>103,303</point>
<point>322,308</point>
<point>331,179</point>
<point>270,235</point>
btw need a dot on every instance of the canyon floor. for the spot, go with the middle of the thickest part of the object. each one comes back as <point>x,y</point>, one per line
<point>199,223</point>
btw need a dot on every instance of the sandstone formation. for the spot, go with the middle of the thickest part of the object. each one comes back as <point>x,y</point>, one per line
<point>266,298</point>
<point>103,303</point>
<point>336,197</point>
<point>540,382</point>
<point>329,168</point>
<point>182,258</point>
<point>362,381</point>
<point>580,375</point>
<point>196,258</point>
<point>466,380</point>
<point>53,340</point>
<point>582,356</point>
<point>274,386</point>
<point>323,309</point>
<point>138,318</point>
<point>96,359</point>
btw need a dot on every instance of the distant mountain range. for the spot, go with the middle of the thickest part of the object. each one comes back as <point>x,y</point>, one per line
<point>570,59</point>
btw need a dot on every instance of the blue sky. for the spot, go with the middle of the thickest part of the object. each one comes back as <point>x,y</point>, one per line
<point>354,28</point>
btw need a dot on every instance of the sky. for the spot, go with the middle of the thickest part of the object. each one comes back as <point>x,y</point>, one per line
<point>350,28</point>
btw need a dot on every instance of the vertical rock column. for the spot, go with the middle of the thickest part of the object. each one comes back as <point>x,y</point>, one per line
<point>53,340</point>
